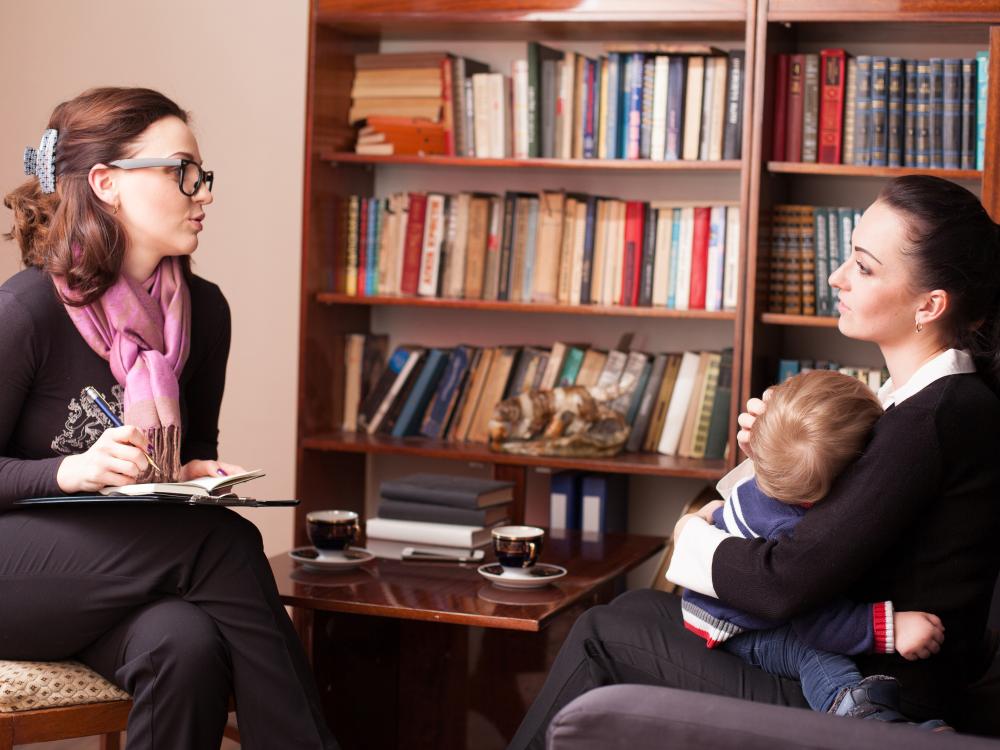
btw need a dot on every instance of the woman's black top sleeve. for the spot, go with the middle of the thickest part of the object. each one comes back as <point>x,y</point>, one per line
<point>45,364</point>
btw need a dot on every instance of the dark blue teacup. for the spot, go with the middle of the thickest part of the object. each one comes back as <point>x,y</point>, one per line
<point>332,531</point>
<point>517,546</point>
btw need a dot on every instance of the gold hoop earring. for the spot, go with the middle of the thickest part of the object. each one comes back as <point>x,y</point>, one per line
<point>117,206</point>
<point>919,327</point>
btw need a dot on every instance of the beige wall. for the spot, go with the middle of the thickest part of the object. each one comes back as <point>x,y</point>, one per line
<point>239,67</point>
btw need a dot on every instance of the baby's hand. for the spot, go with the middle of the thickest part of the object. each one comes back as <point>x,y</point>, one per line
<point>708,510</point>
<point>918,634</point>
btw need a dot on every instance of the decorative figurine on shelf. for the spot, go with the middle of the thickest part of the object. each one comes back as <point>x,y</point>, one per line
<point>573,421</point>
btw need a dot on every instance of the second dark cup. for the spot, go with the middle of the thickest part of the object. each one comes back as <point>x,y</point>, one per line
<point>332,531</point>
<point>518,546</point>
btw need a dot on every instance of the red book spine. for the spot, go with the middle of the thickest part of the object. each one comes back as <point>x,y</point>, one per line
<point>362,246</point>
<point>414,243</point>
<point>633,253</point>
<point>449,106</point>
<point>780,107</point>
<point>831,105</point>
<point>699,257</point>
<point>796,103</point>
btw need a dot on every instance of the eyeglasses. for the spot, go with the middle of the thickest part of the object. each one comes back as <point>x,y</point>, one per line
<point>190,175</point>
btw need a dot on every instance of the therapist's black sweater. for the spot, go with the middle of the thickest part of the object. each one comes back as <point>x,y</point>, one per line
<point>45,364</point>
<point>915,520</point>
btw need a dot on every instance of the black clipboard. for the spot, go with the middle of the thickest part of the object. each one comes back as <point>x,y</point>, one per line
<point>228,500</point>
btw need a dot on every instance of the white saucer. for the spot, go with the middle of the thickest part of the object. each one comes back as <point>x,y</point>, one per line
<point>346,560</point>
<point>540,574</point>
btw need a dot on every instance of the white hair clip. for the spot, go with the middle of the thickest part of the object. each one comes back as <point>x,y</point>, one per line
<point>41,161</point>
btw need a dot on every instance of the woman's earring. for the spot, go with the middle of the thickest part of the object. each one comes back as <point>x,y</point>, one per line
<point>117,206</point>
<point>919,327</point>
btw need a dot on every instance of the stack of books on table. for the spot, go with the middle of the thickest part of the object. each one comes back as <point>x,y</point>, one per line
<point>439,513</point>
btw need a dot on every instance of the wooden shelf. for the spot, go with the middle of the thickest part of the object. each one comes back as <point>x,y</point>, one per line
<point>852,170</point>
<point>596,20</point>
<point>524,307</point>
<point>626,463</point>
<point>814,321</point>
<point>621,165</point>
<point>927,11</point>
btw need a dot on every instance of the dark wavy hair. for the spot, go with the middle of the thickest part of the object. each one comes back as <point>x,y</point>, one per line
<point>98,126</point>
<point>955,246</point>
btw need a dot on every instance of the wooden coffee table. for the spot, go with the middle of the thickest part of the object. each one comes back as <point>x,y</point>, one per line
<point>432,654</point>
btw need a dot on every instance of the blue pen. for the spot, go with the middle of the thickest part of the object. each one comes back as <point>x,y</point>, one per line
<point>94,396</point>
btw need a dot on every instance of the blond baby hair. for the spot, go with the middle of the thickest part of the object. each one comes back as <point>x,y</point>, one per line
<point>814,425</point>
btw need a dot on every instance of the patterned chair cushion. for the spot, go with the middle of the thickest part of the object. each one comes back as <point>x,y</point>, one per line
<point>30,685</point>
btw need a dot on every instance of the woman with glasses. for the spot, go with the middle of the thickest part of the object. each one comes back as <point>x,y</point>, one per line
<point>176,605</point>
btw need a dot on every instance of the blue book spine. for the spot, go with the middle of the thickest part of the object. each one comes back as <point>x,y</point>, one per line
<point>786,369</point>
<point>564,501</point>
<point>624,96</point>
<point>413,410</point>
<point>862,111</point>
<point>910,113</point>
<point>937,112</point>
<point>527,279</point>
<point>846,228</point>
<point>371,257</point>
<point>587,274</point>
<point>604,499</point>
<point>879,111</point>
<point>968,158</point>
<point>675,251</point>
<point>822,261</point>
<point>591,88</point>
<point>922,153</point>
<point>676,83</point>
<point>633,131</point>
<point>982,87</point>
<point>896,120</point>
<point>833,253</point>
<point>951,117</point>
<point>611,115</point>
<point>454,372</point>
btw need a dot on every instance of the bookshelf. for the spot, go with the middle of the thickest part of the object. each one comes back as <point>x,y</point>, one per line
<point>492,31</point>
<point>340,469</point>
<point>932,28</point>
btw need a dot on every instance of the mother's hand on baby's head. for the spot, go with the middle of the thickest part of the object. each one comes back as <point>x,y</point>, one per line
<point>755,407</point>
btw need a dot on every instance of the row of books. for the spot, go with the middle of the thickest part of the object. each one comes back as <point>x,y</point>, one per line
<point>439,514</point>
<point>548,247</point>
<point>806,244</point>
<point>675,403</point>
<point>874,377</point>
<point>880,111</point>
<point>660,102</point>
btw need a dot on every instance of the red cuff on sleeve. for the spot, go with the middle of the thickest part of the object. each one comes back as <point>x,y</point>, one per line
<point>882,619</point>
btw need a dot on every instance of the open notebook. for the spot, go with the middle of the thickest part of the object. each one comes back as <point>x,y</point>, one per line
<point>201,491</point>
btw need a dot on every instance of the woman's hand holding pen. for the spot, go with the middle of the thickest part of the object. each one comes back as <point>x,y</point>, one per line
<point>116,459</point>
<point>199,468</point>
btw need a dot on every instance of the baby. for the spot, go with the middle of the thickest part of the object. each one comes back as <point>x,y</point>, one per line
<point>815,424</point>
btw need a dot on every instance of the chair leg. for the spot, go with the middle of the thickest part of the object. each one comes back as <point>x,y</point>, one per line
<point>109,741</point>
<point>6,733</point>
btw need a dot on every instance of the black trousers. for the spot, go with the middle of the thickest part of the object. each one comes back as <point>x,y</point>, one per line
<point>177,605</point>
<point>639,638</point>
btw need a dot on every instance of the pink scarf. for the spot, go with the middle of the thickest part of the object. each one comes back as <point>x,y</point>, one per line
<point>144,332</point>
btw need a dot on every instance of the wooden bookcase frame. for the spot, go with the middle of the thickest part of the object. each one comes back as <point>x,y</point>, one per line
<point>769,336</point>
<point>329,461</point>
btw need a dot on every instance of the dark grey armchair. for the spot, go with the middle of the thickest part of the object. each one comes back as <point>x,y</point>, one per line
<point>640,717</point>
